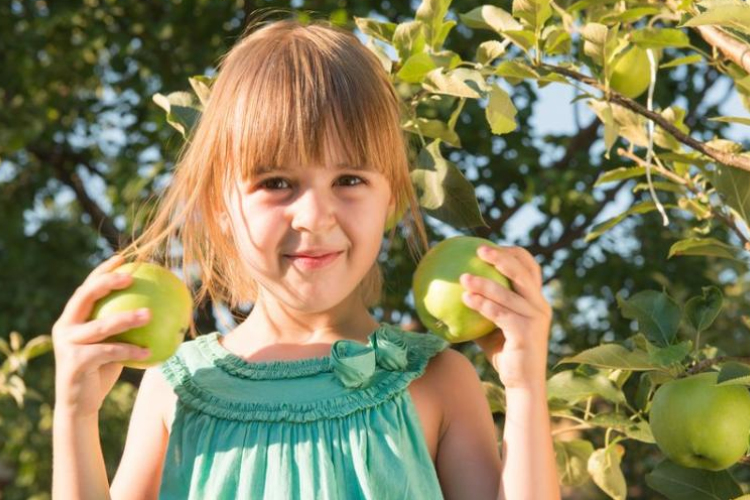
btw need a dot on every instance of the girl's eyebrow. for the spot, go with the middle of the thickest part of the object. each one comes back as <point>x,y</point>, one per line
<point>265,169</point>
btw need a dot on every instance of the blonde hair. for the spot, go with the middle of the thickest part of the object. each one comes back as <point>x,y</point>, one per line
<point>277,91</point>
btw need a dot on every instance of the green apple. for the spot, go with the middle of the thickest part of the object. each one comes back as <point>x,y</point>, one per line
<point>631,74</point>
<point>437,289</point>
<point>169,301</point>
<point>699,424</point>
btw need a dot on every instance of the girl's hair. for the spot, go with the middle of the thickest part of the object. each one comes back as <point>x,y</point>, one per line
<point>277,92</point>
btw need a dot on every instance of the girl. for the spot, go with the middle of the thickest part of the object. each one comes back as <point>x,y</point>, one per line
<point>280,199</point>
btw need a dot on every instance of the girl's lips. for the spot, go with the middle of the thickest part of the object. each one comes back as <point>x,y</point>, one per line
<point>314,262</point>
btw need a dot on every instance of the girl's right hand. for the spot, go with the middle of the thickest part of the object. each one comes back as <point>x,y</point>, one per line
<point>86,368</point>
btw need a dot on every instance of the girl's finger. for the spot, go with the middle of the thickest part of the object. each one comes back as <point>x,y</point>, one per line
<point>91,357</point>
<point>524,283</point>
<point>495,255</point>
<point>497,293</point>
<point>78,309</point>
<point>529,262</point>
<point>98,330</point>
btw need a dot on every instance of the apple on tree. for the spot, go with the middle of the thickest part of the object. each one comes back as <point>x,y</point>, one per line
<point>699,424</point>
<point>169,301</point>
<point>437,288</point>
<point>631,74</point>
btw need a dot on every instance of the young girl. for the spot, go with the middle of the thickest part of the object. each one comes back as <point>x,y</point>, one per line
<point>280,199</point>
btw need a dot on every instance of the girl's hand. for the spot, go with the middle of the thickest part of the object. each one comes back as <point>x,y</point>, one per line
<point>86,370</point>
<point>517,349</point>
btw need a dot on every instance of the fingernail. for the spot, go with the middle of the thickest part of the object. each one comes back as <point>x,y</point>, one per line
<point>142,313</point>
<point>144,353</point>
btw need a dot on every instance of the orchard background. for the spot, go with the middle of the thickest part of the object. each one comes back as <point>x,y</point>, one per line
<point>639,216</point>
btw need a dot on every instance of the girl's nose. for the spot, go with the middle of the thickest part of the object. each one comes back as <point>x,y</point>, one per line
<point>313,211</point>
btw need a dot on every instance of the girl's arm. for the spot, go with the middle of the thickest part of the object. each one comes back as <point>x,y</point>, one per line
<point>78,464</point>
<point>529,468</point>
<point>468,461</point>
<point>78,469</point>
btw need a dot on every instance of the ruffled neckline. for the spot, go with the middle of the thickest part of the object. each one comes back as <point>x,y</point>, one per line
<point>353,362</point>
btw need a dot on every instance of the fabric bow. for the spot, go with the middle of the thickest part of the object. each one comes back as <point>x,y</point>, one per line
<point>354,363</point>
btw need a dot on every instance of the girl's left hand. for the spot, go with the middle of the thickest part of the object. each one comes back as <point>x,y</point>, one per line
<point>517,349</point>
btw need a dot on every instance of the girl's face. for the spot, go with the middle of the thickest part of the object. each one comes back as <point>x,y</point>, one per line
<point>334,207</point>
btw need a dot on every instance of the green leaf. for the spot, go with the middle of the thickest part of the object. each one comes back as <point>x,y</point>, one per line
<point>729,14</point>
<point>490,17</point>
<point>676,116</point>
<point>731,119</point>
<point>525,39</point>
<point>489,51</point>
<point>443,191</point>
<point>572,387</point>
<point>620,422</point>
<point>416,67</point>
<point>631,126</point>
<point>611,129</point>
<point>658,315</point>
<point>202,87</point>
<point>734,186</point>
<point>682,483</point>
<point>556,41</point>
<point>639,208</point>
<point>600,42</point>
<point>702,310</point>
<point>630,15</point>
<point>612,356</point>
<point>534,12</point>
<point>435,129</point>
<point>572,458</point>
<point>380,53</point>
<point>618,174</point>
<point>695,58</point>
<point>515,71</point>
<point>734,373</point>
<point>459,82</point>
<point>37,346</point>
<point>432,13</point>
<point>409,39</point>
<point>382,30</point>
<point>605,470</point>
<point>657,38</point>
<point>702,246</point>
<point>500,112</point>
<point>495,395</point>
<point>182,110</point>
<point>671,355</point>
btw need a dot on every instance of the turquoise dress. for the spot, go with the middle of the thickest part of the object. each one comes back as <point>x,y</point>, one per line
<point>341,426</point>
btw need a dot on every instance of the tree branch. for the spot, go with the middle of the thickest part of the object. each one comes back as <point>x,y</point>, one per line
<point>727,220</point>
<point>730,47</point>
<point>59,161</point>
<point>572,233</point>
<point>729,159</point>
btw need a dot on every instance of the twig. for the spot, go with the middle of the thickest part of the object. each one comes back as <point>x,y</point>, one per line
<point>688,183</point>
<point>701,366</point>
<point>731,48</point>
<point>729,159</point>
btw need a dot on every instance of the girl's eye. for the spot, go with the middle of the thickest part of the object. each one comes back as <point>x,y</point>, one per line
<point>270,182</point>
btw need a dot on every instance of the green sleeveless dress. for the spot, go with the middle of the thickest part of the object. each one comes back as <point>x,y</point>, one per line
<point>341,426</point>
